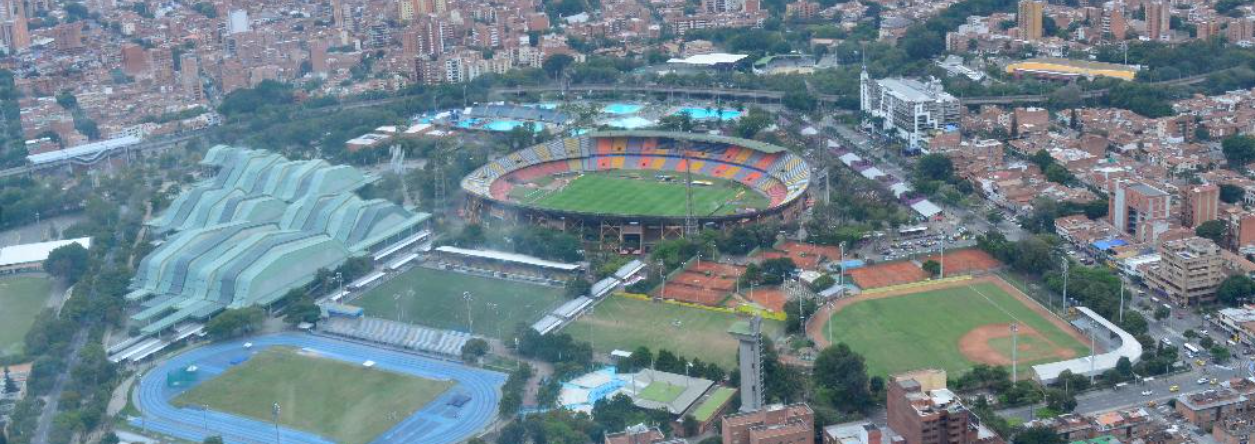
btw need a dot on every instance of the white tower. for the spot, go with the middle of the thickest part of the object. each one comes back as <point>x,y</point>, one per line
<point>751,362</point>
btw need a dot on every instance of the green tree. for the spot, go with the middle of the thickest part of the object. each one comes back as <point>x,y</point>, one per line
<point>840,377</point>
<point>1162,313</point>
<point>577,287</point>
<point>755,120</point>
<point>68,263</point>
<point>690,425</point>
<point>474,349</point>
<point>935,167</point>
<point>556,65</point>
<point>1239,150</point>
<point>1207,342</point>
<point>1214,230</point>
<point>1231,194</point>
<point>795,309</point>
<point>213,440</point>
<point>302,310</point>
<point>1235,289</point>
<point>1060,400</point>
<point>932,267</point>
<point>1038,435</point>
<point>798,100</point>
<point>1220,354</point>
<point>233,323</point>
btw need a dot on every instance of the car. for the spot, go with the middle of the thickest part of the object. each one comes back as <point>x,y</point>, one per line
<point>1214,381</point>
<point>1175,388</point>
<point>1202,381</point>
<point>1204,331</point>
<point>1200,362</point>
<point>1147,392</point>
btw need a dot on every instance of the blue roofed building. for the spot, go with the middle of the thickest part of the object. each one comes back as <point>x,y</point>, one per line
<point>260,227</point>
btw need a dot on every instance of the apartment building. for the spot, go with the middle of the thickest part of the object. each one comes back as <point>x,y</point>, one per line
<point>1189,271</point>
<point>910,109</point>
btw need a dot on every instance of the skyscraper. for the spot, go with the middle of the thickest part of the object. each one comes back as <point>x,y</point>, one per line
<point>1158,20</point>
<point>1030,19</point>
<point>1139,210</point>
<point>337,13</point>
<point>13,31</point>
<point>405,10</point>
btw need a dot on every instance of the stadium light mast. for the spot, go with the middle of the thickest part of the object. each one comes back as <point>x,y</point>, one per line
<point>274,414</point>
<point>1065,284</point>
<point>470,322</point>
<point>1015,331</point>
<point>690,224</point>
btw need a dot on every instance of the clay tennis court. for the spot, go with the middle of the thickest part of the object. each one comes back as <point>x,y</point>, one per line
<point>805,256</point>
<point>887,274</point>
<point>706,283</point>
<point>966,261</point>
<point>771,298</point>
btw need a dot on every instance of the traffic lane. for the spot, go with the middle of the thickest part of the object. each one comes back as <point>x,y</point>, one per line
<point>1128,396</point>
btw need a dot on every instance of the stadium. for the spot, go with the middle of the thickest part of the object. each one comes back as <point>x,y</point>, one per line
<point>635,187</point>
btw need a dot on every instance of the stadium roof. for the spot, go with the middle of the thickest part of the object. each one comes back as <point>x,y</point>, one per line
<point>1071,67</point>
<point>711,138</point>
<point>712,59</point>
<point>693,387</point>
<point>89,150</point>
<point>37,252</point>
<point>1129,348</point>
<point>509,257</point>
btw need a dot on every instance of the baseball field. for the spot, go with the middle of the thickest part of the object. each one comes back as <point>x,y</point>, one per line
<point>346,402</point>
<point>434,298</point>
<point>640,193</point>
<point>624,323</point>
<point>952,326</point>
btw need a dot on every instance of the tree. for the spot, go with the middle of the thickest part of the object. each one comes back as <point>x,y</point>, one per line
<point>212,440</point>
<point>1060,400</point>
<point>1162,313</point>
<point>795,310</point>
<point>755,120</point>
<point>1235,289</point>
<point>67,263</point>
<point>1058,174</point>
<point>1220,354</point>
<point>798,100</point>
<point>934,167</point>
<point>690,425</point>
<point>1213,229</point>
<point>303,310</point>
<point>10,386</point>
<point>668,362</point>
<point>1231,194</point>
<point>1207,342</point>
<point>840,376</point>
<point>932,267</point>
<point>577,287</point>
<point>1124,367</point>
<point>1239,150</point>
<point>237,322</point>
<point>556,64</point>
<point>474,349</point>
<point>1038,435</point>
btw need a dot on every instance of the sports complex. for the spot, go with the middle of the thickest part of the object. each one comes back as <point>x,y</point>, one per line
<point>635,187</point>
<point>327,391</point>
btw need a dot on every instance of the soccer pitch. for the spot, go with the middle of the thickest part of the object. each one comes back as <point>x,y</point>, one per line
<point>434,298</point>
<point>22,298</point>
<point>951,328</point>
<point>626,323</point>
<point>662,392</point>
<point>620,193</point>
<point>346,402</point>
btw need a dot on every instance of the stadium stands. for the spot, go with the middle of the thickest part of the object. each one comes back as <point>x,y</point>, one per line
<point>259,228</point>
<point>770,170</point>
<point>397,334</point>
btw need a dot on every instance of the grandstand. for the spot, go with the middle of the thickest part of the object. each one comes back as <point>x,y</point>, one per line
<point>517,112</point>
<point>260,227</point>
<point>771,171</point>
<point>397,334</point>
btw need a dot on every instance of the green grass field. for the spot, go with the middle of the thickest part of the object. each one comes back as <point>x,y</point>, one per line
<point>712,402</point>
<point>663,392</point>
<point>625,324</point>
<point>618,193</point>
<point>21,298</point>
<point>346,402</point>
<point>434,298</point>
<point>922,330</point>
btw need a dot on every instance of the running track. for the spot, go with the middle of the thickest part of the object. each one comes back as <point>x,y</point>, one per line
<point>436,423</point>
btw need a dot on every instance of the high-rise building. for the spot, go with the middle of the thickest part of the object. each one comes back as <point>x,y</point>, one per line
<point>318,57</point>
<point>1189,271</point>
<point>749,335</point>
<point>1114,23</point>
<point>237,21</point>
<point>134,60</point>
<point>14,34</point>
<point>1158,20</point>
<point>189,76</point>
<point>1029,19</point>
<point>405,10</point>
<point>439,7</point>
<point>774,424</point>
<point>923,411</point>
<point>911,110</point>
<point>337,13</point>
<point>1200,203</point>
<point>1138,210</point>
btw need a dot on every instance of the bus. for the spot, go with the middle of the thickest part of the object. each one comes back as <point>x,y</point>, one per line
<point>912,231</point>
<point>1191,348</point>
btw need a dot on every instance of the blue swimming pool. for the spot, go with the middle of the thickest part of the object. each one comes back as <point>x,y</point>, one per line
<point>710,114</point>
<point>622,108</point>
<point>467,123</point>
<point>507,125</point>
<point>632,122</point>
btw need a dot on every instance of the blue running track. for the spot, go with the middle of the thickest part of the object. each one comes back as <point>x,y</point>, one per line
<point>436,423</point>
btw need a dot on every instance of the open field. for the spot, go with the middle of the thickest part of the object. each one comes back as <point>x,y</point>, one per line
<point>343,401</point>
<point>625,324</point>
<point>707,408</point>
<point>434,298</point>
<point>952,325</point>
<point>638,193</point>
<point>21,298</point>
<point>663,392</point>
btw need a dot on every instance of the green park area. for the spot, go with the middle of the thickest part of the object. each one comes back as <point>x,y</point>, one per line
<point>21,299</point>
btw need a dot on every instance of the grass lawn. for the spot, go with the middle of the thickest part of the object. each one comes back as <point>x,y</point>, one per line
<point>712,402</point>
<point>922,330</point>
<point>434,298</point>
<point>617,193</point>
<point>343,401</point>
<point>625,324</point>
<point>663,392</point>
<point>21,298</point>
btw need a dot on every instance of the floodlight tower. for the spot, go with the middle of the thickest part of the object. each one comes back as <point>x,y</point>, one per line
<point>749,335</point>
<point>690,224</point>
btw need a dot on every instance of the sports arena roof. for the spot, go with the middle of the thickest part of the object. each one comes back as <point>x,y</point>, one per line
<point>1073,68</point>
<point>1095,365</point>
<point>37,252</point>
<point>509,257</point>
<point>711,59</point>
<point>747,143</point>
<point>259,228</point>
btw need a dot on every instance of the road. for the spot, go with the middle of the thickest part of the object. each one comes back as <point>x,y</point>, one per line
<point>53,398</point>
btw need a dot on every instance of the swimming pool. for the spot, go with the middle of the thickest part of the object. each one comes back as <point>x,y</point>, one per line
<point>622,108</point>
<point>507,125</point>
<point>632,122</point>
<point>709,114</point>
<point>467,123</point>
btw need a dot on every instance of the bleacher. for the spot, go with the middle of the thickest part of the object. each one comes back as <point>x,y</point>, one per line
<point>518,113</point>
<point>397,334</point>
<point>781,176</point>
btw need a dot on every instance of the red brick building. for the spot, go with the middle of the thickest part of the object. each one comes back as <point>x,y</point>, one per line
<point>775,424</point>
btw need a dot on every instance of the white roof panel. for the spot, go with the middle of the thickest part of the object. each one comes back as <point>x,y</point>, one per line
<point>27,253</point>
<point>508,257</point>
